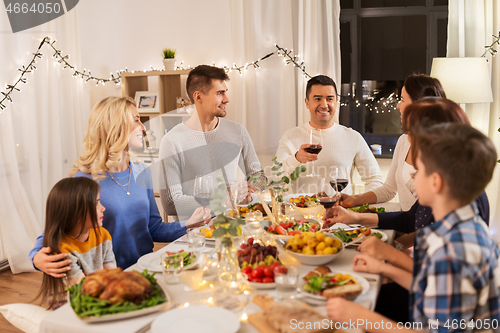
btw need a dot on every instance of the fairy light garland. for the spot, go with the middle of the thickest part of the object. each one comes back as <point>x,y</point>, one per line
<point>489,48</point>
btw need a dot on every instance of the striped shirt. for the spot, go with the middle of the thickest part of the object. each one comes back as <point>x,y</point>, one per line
<point>456,276</point>
<point>87,257</point>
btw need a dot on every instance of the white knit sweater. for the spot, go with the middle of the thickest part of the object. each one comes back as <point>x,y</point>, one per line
<point>342,146</point>
<point>394,182</point>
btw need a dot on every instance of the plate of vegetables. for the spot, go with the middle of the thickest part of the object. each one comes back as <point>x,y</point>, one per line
<point>152,261</point>
<point>350,236</point>
<point>367,209</point>
<point>288,229</point>
<point>257,206</point>
<point>316,285</point>
<point>93,309</point>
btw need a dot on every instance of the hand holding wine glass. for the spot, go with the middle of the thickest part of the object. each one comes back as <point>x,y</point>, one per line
<point>315,146</point>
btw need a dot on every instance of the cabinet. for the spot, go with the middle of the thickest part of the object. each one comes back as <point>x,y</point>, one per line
<point>169,88</point>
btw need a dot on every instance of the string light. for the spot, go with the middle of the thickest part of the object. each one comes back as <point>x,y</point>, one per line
<point>489,48</point>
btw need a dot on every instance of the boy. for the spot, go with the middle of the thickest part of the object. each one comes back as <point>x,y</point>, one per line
<point>454,286</point>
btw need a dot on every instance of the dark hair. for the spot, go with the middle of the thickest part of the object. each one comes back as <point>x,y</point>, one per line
<point>463,156</point>
<point>420,85</point>
<point>69,203</point>
<point>321,80</point>
<point>200,79</point>
<point>432,110</point>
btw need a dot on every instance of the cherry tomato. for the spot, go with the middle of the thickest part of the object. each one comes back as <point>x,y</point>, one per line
<point>267,280</point>
<point>272,228</point>
<point>274,265</point>
<point>366,232</point>
<point>268,272</point>
<point>258,273</point>
<point>302,221</point>
<point>247,270</point>
<point>281,269</point>
<point>280,230</point>
<point>256,280</point>
<point>314,226</point>
<point>294,232</point>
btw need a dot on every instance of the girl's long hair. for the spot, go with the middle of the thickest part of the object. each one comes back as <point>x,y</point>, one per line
<point>108,130</point>
<point>69,203</point>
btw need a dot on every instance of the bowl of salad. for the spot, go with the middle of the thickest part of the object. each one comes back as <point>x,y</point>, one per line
<point>287,229</point>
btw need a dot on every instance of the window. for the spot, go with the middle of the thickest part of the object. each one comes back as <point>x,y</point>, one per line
<point>382,42</point>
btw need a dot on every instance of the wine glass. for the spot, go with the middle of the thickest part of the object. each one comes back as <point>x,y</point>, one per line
<point>326,200</point>
<point>315,146</point>
<point>340,178</point>
<point>239,194</point>
<point>203,189</point>
<point>172,266</point>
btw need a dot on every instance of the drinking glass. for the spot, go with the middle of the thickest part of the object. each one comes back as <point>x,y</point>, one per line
<point>196,241</point>
<point>324,198</point>
<point>286,279</point>
<point>203,189</point>
<point>239,194</point>
<point>339,178</point>
<point>315,142</point>
<point>172,266</point>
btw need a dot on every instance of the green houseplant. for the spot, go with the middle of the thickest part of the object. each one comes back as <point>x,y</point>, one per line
<point>169,59</point>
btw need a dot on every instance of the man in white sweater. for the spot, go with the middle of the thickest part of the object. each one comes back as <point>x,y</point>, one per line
<point>341,146</point>
<point>206,144</point>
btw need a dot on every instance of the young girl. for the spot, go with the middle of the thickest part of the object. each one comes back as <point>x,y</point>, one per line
<point>73,225</point>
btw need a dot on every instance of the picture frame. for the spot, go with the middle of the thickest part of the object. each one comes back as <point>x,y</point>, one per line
<point>147,102</point>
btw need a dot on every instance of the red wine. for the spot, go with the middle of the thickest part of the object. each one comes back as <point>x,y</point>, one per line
<point>203,199</point>
<point>314,149</point>
<point>327,202</point>
<point>341,184</point>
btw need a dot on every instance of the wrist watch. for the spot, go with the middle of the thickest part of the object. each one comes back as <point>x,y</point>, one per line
<point>398,246</point>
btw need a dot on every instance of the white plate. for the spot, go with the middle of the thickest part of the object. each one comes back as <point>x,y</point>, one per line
<point>318,298</point>
<point>130,314</point>
<point>257,285</point>
<point>383,239</point>
<point>196,319</point>
<point>152,262</point>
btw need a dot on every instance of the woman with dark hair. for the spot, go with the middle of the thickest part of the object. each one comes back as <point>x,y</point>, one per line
<point>399,179</point>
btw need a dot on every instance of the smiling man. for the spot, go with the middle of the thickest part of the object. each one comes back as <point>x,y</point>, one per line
<point>205,144</point>
<point>341,146</point>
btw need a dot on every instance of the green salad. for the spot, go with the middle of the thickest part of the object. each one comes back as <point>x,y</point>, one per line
<point>88,306</point>
<point>367,209</point>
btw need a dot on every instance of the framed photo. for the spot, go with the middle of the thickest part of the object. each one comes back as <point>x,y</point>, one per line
<point>147,102</point>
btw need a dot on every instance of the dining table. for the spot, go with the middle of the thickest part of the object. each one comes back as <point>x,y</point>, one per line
<point>63,319</point>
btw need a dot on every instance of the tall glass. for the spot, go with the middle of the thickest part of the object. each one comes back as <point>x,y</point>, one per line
<point>286,279</point>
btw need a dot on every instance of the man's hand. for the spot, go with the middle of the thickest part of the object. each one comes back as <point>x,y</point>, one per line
<point>375,248</point>
<point>338,214</point>
<point>55,265</point>
<point>367,264</point>
<point>201,216</point>
<point>303,156</point>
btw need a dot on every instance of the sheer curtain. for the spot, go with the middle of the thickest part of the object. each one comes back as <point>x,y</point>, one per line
<point>270,100</point>
<point>470,27</point>
<point>40,133</point>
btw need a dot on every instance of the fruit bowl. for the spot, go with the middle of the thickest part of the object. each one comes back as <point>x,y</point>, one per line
<point>312,259</point>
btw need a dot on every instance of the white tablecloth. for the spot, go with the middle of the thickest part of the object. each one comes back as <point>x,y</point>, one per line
<point>63,320</point>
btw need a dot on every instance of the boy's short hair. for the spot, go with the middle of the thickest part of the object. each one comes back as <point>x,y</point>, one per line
<point>322,80</point>
<point>200,79</point>
<point>463,156</point>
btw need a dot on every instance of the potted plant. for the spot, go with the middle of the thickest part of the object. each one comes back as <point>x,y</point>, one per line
<point>169,59</point>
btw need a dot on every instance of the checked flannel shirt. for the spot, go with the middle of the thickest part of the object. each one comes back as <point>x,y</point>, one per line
<point>456,275</point>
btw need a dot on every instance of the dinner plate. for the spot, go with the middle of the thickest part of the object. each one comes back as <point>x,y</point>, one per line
<point>152,262</point>
<point>125,315</point>
<point>196,319</point>
<point>321,300</point>
<point>287,198</point>
<point>383,239</point>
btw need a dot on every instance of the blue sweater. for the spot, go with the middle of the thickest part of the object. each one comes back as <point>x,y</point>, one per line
<point>133,221</point>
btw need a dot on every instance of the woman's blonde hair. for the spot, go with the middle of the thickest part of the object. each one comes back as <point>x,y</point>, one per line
<point>108,130</point>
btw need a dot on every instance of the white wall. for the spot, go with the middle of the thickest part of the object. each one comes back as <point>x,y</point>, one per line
<point>115,34</point>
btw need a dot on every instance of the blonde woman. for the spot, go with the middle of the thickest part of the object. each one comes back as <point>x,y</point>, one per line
<point>132,217</point>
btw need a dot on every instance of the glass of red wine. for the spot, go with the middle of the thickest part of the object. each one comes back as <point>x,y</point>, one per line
<point>315,146</point>
<point>203,189</point>
<point>340,178</point>
<point>326,200</point>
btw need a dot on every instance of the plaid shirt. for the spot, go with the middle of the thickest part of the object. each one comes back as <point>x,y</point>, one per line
<point>456,276</point>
